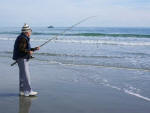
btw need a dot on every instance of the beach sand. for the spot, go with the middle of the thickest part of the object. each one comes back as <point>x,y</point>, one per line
<point>65,89</point>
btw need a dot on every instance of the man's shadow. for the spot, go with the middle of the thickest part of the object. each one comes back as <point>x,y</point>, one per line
<point>25,104</point>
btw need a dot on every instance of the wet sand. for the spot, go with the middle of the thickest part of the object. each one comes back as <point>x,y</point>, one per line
<point>63,89</point>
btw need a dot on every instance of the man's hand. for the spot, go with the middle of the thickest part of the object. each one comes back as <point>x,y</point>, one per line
<point>30,52</point>
<point>37,48</point>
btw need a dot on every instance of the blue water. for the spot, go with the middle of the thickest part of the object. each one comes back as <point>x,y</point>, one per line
<point>125,49</point>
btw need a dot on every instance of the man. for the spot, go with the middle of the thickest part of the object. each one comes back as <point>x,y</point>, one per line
<point>22,53</point>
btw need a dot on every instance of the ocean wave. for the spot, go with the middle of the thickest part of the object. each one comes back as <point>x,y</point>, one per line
<point>86,34</point>
<point>76,55</point>
<point>64,55</point>
<point>100,65</point>
<point>104,42</point>
<point>69,55</point>
<point>95,34</point>
<point>112,35</point>
<point>9,33</point>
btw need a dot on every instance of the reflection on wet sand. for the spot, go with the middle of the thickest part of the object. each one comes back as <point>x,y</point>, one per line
<point>25,104</point>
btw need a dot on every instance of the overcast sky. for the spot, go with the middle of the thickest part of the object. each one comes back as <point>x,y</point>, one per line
<point>110,13</point>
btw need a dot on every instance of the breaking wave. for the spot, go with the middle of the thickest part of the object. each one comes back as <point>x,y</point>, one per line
<point>86,34</point>
<point>104,42</point>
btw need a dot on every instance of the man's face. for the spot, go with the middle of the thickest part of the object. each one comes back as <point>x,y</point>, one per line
<point>28,34</point>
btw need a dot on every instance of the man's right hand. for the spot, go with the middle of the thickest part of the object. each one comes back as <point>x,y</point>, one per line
<point>30,52</point>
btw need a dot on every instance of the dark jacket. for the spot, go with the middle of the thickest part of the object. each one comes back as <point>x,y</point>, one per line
<point>22,47</point>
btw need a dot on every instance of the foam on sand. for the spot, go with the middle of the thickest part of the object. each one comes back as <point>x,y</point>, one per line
<point>137,95</point>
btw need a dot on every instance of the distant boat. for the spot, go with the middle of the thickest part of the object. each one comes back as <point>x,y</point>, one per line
<point>50,26</point>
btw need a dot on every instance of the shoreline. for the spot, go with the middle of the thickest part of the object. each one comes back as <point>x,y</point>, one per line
<point>65,89</point>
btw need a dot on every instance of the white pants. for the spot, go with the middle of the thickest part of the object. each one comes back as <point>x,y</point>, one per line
<point>24,75</point>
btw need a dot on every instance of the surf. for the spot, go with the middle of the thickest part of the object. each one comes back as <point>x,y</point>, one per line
<point>86,41</point>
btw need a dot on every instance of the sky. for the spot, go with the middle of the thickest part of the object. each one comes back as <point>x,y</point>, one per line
<point>61,13</point>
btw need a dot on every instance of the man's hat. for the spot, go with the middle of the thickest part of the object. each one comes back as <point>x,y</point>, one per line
<point>26,28</point>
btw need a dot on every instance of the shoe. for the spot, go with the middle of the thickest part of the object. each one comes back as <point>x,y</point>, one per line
<point>21,93</point>
<point>32,93</point>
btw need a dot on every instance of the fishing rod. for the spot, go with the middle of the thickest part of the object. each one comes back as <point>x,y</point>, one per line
<point>55,37</point>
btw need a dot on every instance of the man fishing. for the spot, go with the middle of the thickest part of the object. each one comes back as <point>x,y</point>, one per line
<point>22,53</point>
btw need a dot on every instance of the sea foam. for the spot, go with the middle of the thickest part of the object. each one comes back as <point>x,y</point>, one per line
<point>105,42</point>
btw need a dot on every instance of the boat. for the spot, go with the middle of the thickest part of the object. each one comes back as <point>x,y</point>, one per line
<point>50,26</point>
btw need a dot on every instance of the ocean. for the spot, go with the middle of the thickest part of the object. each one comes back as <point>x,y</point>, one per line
<point>124,50</point>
